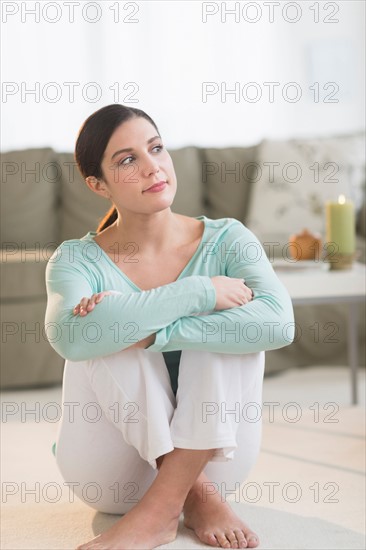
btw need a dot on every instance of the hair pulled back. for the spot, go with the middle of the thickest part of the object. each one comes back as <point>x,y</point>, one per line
<point>92,142</point>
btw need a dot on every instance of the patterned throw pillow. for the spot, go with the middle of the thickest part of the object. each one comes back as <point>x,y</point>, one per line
<point>295,179</point>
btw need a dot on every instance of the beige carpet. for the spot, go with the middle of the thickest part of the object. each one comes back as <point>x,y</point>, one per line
<point>64,526</point>
<point>324,459</point>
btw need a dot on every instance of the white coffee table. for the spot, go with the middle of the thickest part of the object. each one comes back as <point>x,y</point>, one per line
<point>311,282</point>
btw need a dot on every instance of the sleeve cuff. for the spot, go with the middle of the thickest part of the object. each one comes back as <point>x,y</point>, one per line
<point>210,293</point>
<point>160,341</point>
<point>161,338</point>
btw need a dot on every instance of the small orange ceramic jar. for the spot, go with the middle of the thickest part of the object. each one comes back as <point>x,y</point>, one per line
<point>305,246</point>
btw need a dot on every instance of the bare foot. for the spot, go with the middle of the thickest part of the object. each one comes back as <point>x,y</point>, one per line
<point>214,522</point>
<point>144,527</point>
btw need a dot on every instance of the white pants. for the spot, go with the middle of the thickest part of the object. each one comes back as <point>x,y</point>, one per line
<point>119,414</point>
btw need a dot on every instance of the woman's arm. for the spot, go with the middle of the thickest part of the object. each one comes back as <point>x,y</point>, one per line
<point>88,304</point>
<point>263,324</point>
<point>122,318</point>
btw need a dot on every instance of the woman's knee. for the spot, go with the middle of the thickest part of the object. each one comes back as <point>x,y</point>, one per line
<point>220,378</point>
<point>113,498</point>
<point>213,360</point>
<point>107,487</point>
<point>132,372</point>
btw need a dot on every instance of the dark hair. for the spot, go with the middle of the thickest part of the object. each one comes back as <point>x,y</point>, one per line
<point>93,139</point>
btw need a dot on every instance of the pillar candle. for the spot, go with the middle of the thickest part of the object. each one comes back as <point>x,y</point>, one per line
<point>340,225</point>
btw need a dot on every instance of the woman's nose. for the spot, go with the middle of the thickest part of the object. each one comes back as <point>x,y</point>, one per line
<point>150,167</point>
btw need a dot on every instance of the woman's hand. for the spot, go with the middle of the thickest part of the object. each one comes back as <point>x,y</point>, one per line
<point>230,292</point>
<point>87,304</point>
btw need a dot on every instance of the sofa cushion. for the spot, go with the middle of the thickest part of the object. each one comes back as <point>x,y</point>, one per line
<point>227,176</point>
<point>82,209</point>
<point>291,196</point>
<point>23,274</point>
<point>27,358</point>
<point>189,198</point>
<point>29,195</point>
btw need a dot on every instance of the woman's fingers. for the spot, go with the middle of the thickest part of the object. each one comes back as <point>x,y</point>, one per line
<point>87,304</point>
<point>79,307</point>
<point>83,306</point>
<point>248,295</point>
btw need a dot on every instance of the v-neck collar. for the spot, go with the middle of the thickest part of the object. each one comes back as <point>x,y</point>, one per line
<point>90,236</point>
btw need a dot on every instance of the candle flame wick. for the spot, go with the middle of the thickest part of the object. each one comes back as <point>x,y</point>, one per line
<point>341,199</point>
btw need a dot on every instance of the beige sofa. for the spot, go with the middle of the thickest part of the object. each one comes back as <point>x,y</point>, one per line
<point>275,188</point>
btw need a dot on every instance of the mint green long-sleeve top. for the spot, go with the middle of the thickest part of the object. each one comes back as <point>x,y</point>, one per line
<point>180,313</point>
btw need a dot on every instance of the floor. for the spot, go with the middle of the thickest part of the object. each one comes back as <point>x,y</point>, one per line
<point>309,478</point>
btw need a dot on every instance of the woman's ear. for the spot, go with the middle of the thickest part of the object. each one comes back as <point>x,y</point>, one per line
<point>98,186</point>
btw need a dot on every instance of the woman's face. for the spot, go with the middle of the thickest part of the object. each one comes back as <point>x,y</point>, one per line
<point>134,160</point>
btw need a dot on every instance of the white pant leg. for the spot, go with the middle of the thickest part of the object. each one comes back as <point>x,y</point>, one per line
<point>115,423</point>
<point>113,452</point>
<point>219,403</point>
<point>228,476</point>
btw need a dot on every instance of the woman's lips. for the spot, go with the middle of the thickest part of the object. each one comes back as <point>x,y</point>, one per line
<point>156,187</point>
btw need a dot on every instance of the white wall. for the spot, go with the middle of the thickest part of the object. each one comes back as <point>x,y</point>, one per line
<point>168,54</point>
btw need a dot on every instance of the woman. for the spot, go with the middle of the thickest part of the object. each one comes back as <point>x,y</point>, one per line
<point>124,301</point>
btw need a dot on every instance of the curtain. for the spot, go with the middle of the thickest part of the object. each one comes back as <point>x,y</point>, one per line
<point>209,73</point>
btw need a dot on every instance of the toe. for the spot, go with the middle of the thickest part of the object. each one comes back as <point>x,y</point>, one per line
<point>211,540</point>
<point>208,538</point>
<point>242,541</point>
<point>223,541</point>
<point>230,535</point>
<point>252,539</point>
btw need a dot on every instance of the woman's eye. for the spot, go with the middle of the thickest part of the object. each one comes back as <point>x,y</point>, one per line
<point>130,159</point>
<point>124,160</point>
